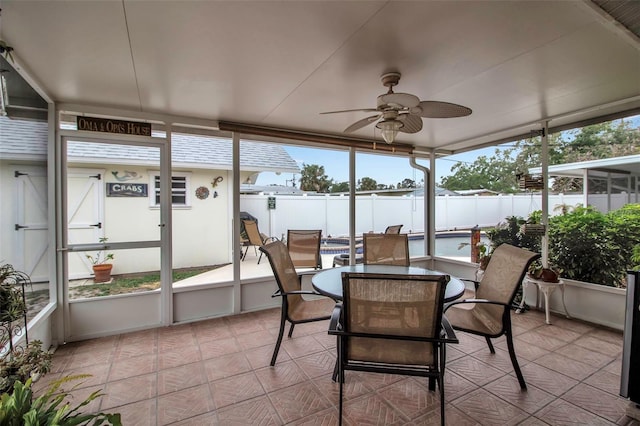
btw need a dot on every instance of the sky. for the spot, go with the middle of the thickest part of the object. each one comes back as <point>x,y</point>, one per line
<point>386,170</point>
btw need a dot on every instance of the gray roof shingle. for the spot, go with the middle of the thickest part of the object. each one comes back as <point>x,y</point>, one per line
<point>23,139</point>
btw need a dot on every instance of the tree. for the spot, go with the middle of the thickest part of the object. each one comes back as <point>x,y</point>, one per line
<point>497,173</point>
<point>313,178</point>
<point>407,183</point>
<point>339,187</point>
<point>367,184</point>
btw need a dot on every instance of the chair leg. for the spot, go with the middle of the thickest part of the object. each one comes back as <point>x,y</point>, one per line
<point>260,257</point>
<point>341,373</point>
<point>441,380</point>
<point>514,360</point>
<point>291,330</point>
<point>443,357</point>
<point>283,319</point>
<point>493,351</point>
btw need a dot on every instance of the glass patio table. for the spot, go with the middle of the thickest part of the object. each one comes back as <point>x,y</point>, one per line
<point>329,281</point>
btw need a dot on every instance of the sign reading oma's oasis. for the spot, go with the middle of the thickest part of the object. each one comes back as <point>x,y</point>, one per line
<point>106,125</point>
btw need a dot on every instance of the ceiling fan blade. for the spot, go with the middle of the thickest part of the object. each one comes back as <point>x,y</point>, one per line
<point>351,110</point>
<point>361,123</point>
<point>402,100</point>
<point>437,109</point>
<point>411,123</point>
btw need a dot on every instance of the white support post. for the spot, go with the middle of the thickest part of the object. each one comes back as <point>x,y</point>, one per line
<point>545,192</point>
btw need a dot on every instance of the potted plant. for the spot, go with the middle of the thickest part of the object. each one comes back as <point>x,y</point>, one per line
<point>12,303</point>
<point>100,263</point>
<point>547,274</point>
<point>19,362</point>
<point>22,364</point>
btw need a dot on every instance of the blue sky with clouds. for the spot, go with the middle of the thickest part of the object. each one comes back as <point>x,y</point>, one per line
<point>384,169</point>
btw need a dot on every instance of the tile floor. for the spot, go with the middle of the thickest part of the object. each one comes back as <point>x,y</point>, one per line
<point>216,372</point>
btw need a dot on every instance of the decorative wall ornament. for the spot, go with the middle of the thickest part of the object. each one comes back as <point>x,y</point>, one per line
<point>216,181</point>
<point>202,192</point>
<point>126,176</point>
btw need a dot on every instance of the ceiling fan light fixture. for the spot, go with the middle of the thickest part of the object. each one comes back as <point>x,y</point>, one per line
<point>389,129</point>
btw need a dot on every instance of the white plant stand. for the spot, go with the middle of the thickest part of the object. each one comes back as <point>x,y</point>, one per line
<point>547,288</point>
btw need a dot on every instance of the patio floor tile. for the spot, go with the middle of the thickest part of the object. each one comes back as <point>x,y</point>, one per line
<point>217,372</point>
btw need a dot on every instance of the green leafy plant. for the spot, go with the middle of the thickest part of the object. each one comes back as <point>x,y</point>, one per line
<point>585,246</point>
<point>12,304</point>
<point>510,232</point>
<point>23,363</point>
<point>635,258</point>
<point>19,407</point>
<point>101,256</point>
<point>539,272</point>
<point>484,253</point>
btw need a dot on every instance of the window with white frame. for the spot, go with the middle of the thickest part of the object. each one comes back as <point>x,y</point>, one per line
<point>179,189</point>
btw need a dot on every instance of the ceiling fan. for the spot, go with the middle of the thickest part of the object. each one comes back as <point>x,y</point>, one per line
<point>402,112</point>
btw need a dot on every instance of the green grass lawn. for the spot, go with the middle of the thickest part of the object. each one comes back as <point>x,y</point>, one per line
<point>131,283</point>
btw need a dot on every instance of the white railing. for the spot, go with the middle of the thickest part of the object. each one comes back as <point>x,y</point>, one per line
<point>375,213</point>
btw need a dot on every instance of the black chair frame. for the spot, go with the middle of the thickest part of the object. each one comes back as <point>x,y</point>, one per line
<point>435,375</point>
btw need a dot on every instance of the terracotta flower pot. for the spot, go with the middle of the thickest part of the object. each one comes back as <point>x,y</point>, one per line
<point>102,272</point>
<point>549,275</point>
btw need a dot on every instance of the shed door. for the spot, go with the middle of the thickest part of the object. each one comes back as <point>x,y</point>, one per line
<point>85,215</point>
<point>31,226</point>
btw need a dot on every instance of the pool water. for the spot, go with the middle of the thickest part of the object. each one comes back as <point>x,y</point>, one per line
<point>446,245</point>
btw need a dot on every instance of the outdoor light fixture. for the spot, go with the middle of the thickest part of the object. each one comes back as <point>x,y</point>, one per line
<point>389,129</point>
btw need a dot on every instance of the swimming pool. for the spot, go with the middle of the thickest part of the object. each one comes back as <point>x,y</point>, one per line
<point>447,244</point>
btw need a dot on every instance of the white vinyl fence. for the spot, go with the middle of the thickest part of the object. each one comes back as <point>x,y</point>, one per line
<point>375,213</point>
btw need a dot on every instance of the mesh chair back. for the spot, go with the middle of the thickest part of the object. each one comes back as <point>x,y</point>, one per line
<point>505,271</point>
<point>253,234</point>
<point>396,305</point>
<point>386,249</point>
<point>393,229</point>
<point>304,247</point>
<point>283,271</point>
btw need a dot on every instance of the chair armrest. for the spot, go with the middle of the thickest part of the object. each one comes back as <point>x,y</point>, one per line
<point>490,302</point>
<point>334,323</point>
<point>476,284</point>
<point>279,293</point>
<point>449,334</point>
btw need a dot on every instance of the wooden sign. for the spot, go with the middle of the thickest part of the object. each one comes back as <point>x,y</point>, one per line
<point>117,189</point>
<point>107,125</point>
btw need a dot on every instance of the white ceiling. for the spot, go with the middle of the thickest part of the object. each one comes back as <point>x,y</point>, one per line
<point>281,63</point>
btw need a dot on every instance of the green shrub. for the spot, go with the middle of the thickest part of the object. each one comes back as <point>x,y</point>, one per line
<point>20,408</point>
<point>510,232</point>
<point>586,246</point>
<point>625,225</point>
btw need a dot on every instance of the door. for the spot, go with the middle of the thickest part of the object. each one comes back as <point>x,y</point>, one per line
<point>85,215</point>
<point>107,217</point>
<point>31,225</point>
